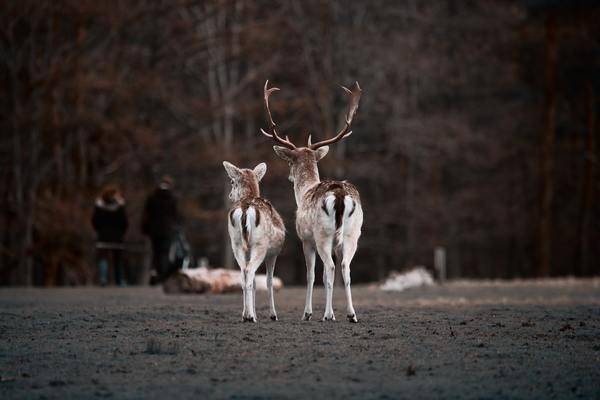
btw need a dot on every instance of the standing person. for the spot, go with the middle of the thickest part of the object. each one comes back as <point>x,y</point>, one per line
<point>110,223</point>
<point>160,222</point>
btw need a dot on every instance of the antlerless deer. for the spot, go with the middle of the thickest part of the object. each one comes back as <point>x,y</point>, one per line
<point>256,231</point>
<point>329,215</point>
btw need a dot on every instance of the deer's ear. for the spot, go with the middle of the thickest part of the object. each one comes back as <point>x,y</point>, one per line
<point>232,170</point>
<point>284,153</point>
<point>260,170</point>
<point>321,152</point>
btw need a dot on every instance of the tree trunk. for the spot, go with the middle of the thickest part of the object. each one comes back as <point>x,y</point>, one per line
<point>547,156</point>
<point>582,260</point>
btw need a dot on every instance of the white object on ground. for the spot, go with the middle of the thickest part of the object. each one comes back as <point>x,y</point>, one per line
<point>398,281</point>
<point>218,280</point>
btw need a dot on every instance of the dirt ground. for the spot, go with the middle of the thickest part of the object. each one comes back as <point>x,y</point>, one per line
<point>461,340</point>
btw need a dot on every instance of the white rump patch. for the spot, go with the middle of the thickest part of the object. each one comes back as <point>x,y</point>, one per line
<point>237,217</point>
<point>348,206</point>
<point>330,204</point>
<point>250,219</point>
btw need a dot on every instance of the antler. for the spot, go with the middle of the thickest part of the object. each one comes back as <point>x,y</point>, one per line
<point>273,135</point>
<point>345,132</point>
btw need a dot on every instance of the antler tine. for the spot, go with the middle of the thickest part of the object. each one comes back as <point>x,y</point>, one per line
<point>273,135</point>
<point>345,132</point>
<point>267,93</point>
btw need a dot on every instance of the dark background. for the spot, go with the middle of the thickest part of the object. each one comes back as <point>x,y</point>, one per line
<point>477,130</point>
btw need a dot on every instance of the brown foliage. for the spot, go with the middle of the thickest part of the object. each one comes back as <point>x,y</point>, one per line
<point>444,149</point>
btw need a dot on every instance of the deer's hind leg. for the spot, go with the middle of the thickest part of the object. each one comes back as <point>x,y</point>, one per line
<point>240,257</point>
<point>348,251</point>
<point>257,256</point>
<point>309,258</point>
<point>324,248</point>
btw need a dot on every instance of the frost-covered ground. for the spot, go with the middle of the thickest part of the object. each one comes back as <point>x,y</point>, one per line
<point>527,339</point>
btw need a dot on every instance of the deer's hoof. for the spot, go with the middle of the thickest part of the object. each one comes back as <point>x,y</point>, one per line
<point>329,318</point>
<point>274,318</point>
<point>307,316</point>
<point>352,318</point>
<point>249,319</point>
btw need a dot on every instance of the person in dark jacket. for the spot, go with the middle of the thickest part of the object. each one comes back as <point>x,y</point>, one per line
<point>160,222</point>
<point>110,223</point>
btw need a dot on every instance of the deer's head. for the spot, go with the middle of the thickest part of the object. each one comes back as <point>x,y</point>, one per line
<point>303,160</point>
<point>244,182</point>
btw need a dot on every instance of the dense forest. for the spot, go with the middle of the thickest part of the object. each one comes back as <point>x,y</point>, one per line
<point>476,130</point>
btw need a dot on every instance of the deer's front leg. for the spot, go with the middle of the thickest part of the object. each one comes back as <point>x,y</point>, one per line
<point>270,263</point>
<point>309,257</point>
<point>254,296</point>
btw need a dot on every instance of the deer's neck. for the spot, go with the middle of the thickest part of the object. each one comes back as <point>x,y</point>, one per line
<point>305,178</point>
<point>249,191</point>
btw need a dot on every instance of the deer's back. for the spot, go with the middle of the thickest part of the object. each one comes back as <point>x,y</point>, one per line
<point>320,190</point>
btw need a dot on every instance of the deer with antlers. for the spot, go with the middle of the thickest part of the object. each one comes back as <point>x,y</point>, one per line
<point>329,216</point>
<point>256,231</point>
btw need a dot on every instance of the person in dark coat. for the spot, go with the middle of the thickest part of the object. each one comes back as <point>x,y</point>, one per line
<point>160,222</point>
<point>110,223</point>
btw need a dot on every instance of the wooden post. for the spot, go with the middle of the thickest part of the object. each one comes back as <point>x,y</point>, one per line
<point>439,262</point>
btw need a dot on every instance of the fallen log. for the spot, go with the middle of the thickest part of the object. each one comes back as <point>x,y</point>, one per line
<point>218,280</point>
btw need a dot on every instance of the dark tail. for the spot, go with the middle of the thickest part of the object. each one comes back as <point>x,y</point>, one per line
<point>248,218</point>
<point>339,208</point>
